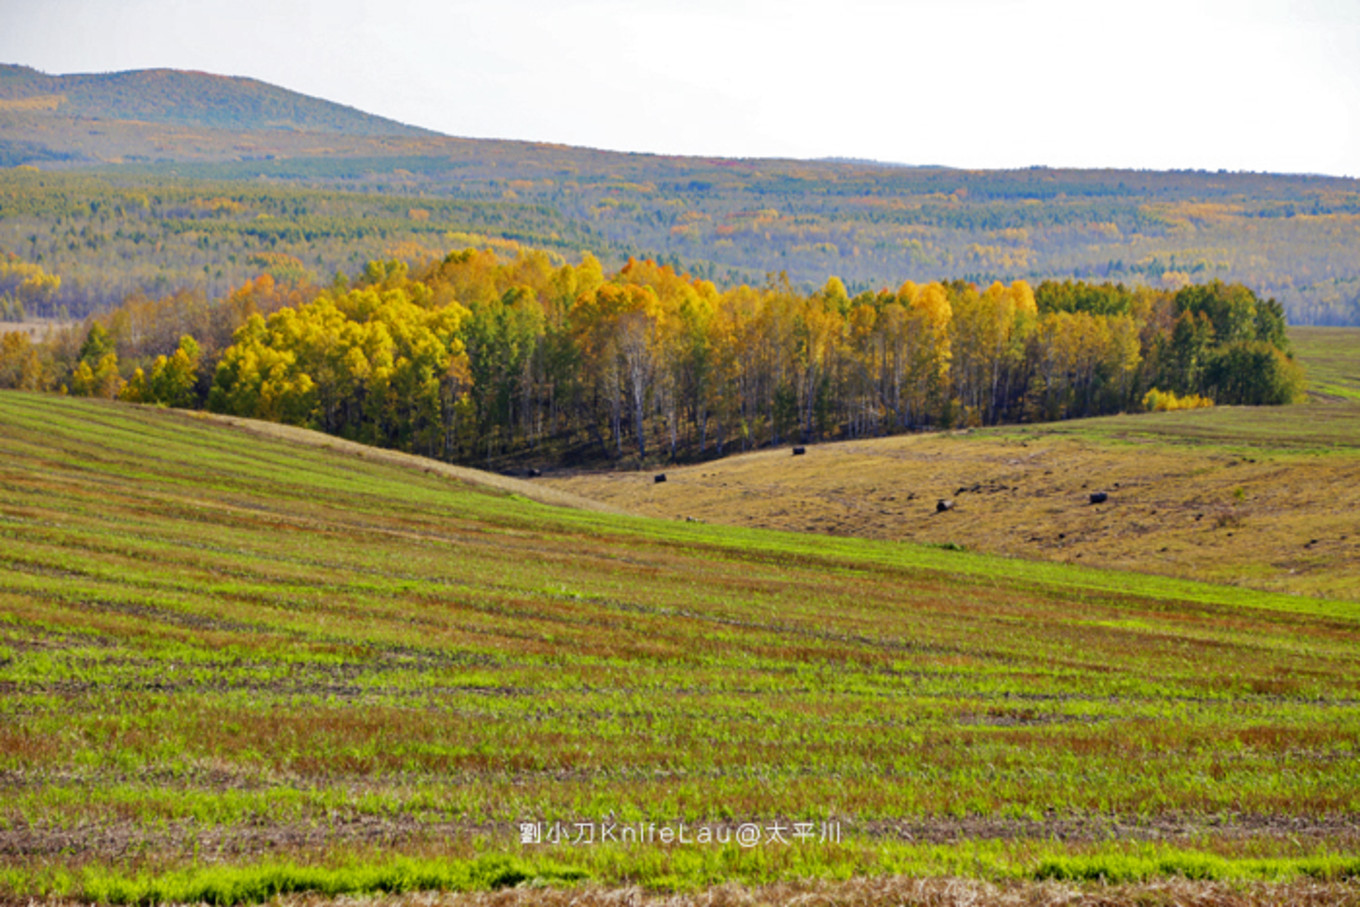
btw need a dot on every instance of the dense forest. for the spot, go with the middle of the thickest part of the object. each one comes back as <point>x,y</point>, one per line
<point>109,234</point>
<point>162,181</point>
<point>485,357</point>
<point>108,239</point>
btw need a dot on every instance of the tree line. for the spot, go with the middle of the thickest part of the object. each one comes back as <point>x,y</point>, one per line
<point>482,357</point>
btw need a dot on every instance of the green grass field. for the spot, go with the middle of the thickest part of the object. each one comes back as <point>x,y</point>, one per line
<point>1332,359</point>
<point>233,666</point>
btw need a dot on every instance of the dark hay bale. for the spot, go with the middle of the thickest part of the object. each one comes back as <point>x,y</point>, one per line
<point>1099,497</point>
<point>942,505</point>
<point>799,451</point>
<point>660,477</point>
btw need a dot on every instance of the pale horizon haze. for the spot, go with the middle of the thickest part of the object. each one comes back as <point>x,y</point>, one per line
<point>1258,86</point>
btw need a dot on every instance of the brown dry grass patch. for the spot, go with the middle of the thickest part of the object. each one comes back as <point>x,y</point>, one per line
<point>1276,521</point>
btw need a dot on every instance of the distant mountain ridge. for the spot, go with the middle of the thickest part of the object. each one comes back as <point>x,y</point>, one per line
<point>184,98</point>
<point>328,185</point>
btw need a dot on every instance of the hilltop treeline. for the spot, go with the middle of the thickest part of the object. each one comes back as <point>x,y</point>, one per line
<point>479,356</point>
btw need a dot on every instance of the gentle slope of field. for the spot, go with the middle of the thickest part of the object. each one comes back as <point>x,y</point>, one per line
<point>1332,358</point>
<point>1264,497</point>
<point>534,491</point>
<point>1266,519</point>
<point>233,665</point>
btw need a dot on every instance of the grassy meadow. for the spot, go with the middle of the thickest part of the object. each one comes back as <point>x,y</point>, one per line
<point>1332,356</point>
<point>1260,497</point>
<point>236,664</point>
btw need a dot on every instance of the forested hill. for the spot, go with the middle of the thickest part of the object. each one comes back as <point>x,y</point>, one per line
<point>186,99</point>
<point>195,182</point>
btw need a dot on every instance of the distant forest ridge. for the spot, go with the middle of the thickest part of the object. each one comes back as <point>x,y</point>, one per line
<point>171,180</point>
<point>185,98</point>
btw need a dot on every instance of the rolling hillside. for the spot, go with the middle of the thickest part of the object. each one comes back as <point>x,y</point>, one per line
<point>233,666</point>
<point>1262,497</point>
<point>1257,514</point>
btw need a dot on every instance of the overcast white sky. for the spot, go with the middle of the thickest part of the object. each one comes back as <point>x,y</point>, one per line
<point>1241,85</point>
